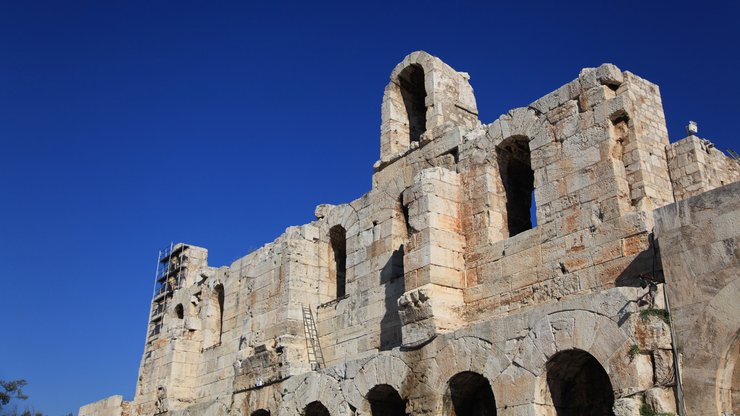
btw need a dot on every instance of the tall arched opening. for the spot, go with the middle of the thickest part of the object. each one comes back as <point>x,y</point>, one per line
<point>338,266</point>
<point>316,409</point>
<point>385,401</point>
<point>515,167</point>
<point>579,385</point>
<point>469,394</point>
<point>220,299</point>
<point>212,314</point>
<point>413,92</point>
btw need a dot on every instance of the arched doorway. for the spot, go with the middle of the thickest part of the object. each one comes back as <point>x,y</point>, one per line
<point>469,394</point>
<point>579,385</point>
<point>316,409</point>
<point>385,401</point>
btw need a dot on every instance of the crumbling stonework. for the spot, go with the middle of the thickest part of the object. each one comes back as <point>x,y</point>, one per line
<point>437,292</point>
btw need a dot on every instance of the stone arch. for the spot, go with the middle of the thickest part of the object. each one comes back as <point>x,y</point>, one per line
<point>384,369</point>
<point>572,329</point>
<point>413,94</point>
<point>309,388</point>
<point>577,329</point>
<point>512,160</point>
<point>465,354</point>
<point>345,216</point>
<point>339,239</point>
<point>315,408</point>
<point>469,394</point>
<point>212,314</point>
<point>384,400</point>
<point>448,97</point>
<point>578,385</point>
<point>256,400</point>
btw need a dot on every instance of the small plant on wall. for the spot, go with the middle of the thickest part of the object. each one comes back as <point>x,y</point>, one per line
<point>661,314</point>
<point>646,410</point>
<point>634,350</point>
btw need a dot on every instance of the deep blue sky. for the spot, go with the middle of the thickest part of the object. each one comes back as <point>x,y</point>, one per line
<point>126,125</point>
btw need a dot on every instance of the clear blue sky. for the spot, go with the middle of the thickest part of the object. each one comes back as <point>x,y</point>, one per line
<point>126,125</point>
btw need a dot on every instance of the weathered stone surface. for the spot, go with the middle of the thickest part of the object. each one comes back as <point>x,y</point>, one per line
<point>111,406</point>
<point>698,238</point>
<point>439,281</point>
<point>661,400</point>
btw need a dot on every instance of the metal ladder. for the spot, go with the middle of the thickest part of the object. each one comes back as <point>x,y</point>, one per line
<point>315,356</point>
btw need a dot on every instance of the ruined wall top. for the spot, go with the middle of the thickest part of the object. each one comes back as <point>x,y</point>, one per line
<point>423,93</point>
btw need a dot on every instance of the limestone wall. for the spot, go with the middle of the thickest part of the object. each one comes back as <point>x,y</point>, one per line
<point>699,238</point>
<point>512,352</point>
<point>697,166</point>
<point>438,282</point>
<point>111,406</point>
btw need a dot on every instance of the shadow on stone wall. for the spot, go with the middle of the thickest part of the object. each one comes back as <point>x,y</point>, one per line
<point>391,277</point>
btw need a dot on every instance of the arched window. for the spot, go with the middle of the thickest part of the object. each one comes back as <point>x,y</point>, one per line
<point>316,409</point>
<point>470,394</point>
<point>620,131</point>
<point>179,311</point>
<point>579,385</point>
<point>518,180</point>
<point>413,92</point>
<point>338,239</point>
<point>385,401</point>
<point>219,289</point>
<point>212,314</point>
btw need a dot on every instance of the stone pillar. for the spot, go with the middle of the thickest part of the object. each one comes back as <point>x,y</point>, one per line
<point>433,264</point>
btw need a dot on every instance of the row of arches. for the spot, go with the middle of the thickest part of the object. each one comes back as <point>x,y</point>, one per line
<point>576,385</point>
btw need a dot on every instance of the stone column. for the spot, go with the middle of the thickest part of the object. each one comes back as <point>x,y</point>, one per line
<point>433,264</point>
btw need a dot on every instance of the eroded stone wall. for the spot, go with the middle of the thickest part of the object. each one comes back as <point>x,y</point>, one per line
<point>446,290</point>
<point>696,166</point>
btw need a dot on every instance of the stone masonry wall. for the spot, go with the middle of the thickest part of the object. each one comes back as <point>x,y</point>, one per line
<point>701,256</point>
<point>438,286</point>
<point>697,166</point>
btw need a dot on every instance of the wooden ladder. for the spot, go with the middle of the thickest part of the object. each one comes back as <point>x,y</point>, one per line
<point>315,356</point>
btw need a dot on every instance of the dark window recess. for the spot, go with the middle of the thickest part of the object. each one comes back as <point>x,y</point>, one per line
<point>220,294</point>
<point>578,385</point>
<point>385,401</point>
<point>518,178</point>
<point>179,311</point>
<point>316,409</point>
<point>338,237</point>
<point>471,395</point>
<point>413,92</point>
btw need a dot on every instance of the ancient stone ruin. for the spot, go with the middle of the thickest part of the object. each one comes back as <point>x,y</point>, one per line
<point>439,292</point>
